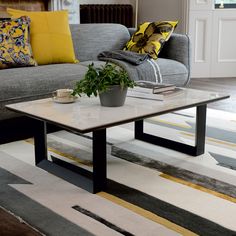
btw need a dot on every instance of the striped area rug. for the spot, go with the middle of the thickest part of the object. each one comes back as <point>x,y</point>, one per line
<point>151,190</point>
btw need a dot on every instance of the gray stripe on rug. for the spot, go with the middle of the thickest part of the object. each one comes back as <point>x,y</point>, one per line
<point>181,217</point>
<point>202,180</point>
<point>84,156</point>
<point>183,115</point>
<point>224,161</point>
<point>42,218</point>
<point>102,220</point>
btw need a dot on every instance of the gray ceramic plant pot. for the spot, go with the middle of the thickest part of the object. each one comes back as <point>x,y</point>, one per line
<point>114,97</point>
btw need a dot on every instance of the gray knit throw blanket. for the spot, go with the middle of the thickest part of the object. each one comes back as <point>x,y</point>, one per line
<point>138,66</point>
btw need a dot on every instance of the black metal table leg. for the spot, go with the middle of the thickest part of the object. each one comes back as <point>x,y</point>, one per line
<point>138,129</point>
<point>200,132</point>
<point>93,182</point>
<point>40,142</point>
<point>99,160</point>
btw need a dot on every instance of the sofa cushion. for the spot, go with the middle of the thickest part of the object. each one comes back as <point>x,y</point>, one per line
<point>91,39</point>
<point>15,49</point>
<point>50,36</point>
<point>150,37</point>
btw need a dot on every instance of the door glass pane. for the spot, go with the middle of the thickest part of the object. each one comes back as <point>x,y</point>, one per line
<point>225,3</point>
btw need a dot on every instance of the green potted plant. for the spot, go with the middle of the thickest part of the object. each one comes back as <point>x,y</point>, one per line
<point>110,82</point>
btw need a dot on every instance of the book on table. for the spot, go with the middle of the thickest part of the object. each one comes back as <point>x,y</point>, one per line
<point>146,93</point>
<point>155,87</point>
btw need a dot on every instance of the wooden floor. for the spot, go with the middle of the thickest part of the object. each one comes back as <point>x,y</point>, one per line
<point>223,85</point>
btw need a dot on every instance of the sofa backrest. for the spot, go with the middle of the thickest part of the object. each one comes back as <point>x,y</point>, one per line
<point>91,39</point>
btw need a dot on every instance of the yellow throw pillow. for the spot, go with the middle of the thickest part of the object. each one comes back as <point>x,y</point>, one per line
<point>150,37</point>
<point>15,49</point>
<point>50,34</point>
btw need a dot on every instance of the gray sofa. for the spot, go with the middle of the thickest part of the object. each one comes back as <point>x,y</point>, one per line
<point>28,83</point>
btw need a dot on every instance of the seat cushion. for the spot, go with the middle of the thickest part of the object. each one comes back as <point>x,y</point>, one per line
<point>173,72</point>
<point>96,63</point>
<point>24,84</point>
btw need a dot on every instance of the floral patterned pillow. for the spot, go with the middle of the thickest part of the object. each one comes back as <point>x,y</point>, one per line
<point>15,49</point>
<point>150,37</point>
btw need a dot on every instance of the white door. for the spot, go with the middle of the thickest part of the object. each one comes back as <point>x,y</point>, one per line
<point>200,32</point>
<point>213,36</point>
<point>224,43</point>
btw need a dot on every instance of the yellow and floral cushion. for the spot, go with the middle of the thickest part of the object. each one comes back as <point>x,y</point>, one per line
<point>150,37</point>
<point>15,49</point>
<point>50,36</point>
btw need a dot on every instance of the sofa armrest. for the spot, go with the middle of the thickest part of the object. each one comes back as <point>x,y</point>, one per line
<point>178,48</point>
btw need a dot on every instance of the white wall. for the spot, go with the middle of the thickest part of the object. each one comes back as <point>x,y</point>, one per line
<point>153,10</point>
<point>71,5</point>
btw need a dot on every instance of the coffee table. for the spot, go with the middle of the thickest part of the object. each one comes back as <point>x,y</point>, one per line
<point>87,115</point>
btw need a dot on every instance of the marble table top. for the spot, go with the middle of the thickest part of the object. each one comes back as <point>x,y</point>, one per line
<point>86,114</point>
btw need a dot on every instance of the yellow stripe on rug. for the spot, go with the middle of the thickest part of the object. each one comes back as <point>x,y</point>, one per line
<point>147,214</point>
<point>170,123</point>
<point>211,140</point>
<point>198,187</point>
